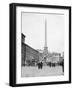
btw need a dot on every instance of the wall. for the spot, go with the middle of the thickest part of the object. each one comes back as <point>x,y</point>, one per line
<point>4,44</point>
<point>30,54</point>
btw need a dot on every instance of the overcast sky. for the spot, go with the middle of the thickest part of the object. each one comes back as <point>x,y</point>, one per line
<point>33,27</point>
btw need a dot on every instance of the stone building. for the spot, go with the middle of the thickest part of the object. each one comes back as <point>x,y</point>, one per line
<point>30,56</point>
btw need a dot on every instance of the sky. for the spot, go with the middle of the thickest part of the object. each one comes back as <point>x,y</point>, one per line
<point>33,27</point>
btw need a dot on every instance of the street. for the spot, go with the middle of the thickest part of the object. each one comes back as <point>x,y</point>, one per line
<point>33,71</point>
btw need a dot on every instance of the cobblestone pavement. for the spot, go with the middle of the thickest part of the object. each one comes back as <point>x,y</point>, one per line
<point>45,71</point>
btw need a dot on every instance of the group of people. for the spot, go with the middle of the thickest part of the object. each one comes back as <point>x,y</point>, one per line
<point>40,65</point>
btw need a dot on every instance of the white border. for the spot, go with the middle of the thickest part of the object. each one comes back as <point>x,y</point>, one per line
<point>20,80</point>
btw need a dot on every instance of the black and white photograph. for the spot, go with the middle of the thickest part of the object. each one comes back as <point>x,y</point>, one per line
<point>40,44</point>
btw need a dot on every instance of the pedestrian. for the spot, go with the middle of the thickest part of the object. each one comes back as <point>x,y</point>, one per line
<point>40,65</point>
<point>63,65</point>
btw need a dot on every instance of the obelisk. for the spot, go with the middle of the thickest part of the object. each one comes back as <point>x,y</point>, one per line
<point>45,52</point>
<point>45,34</point>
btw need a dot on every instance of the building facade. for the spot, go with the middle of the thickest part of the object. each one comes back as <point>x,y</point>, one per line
<point>30,56</point>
